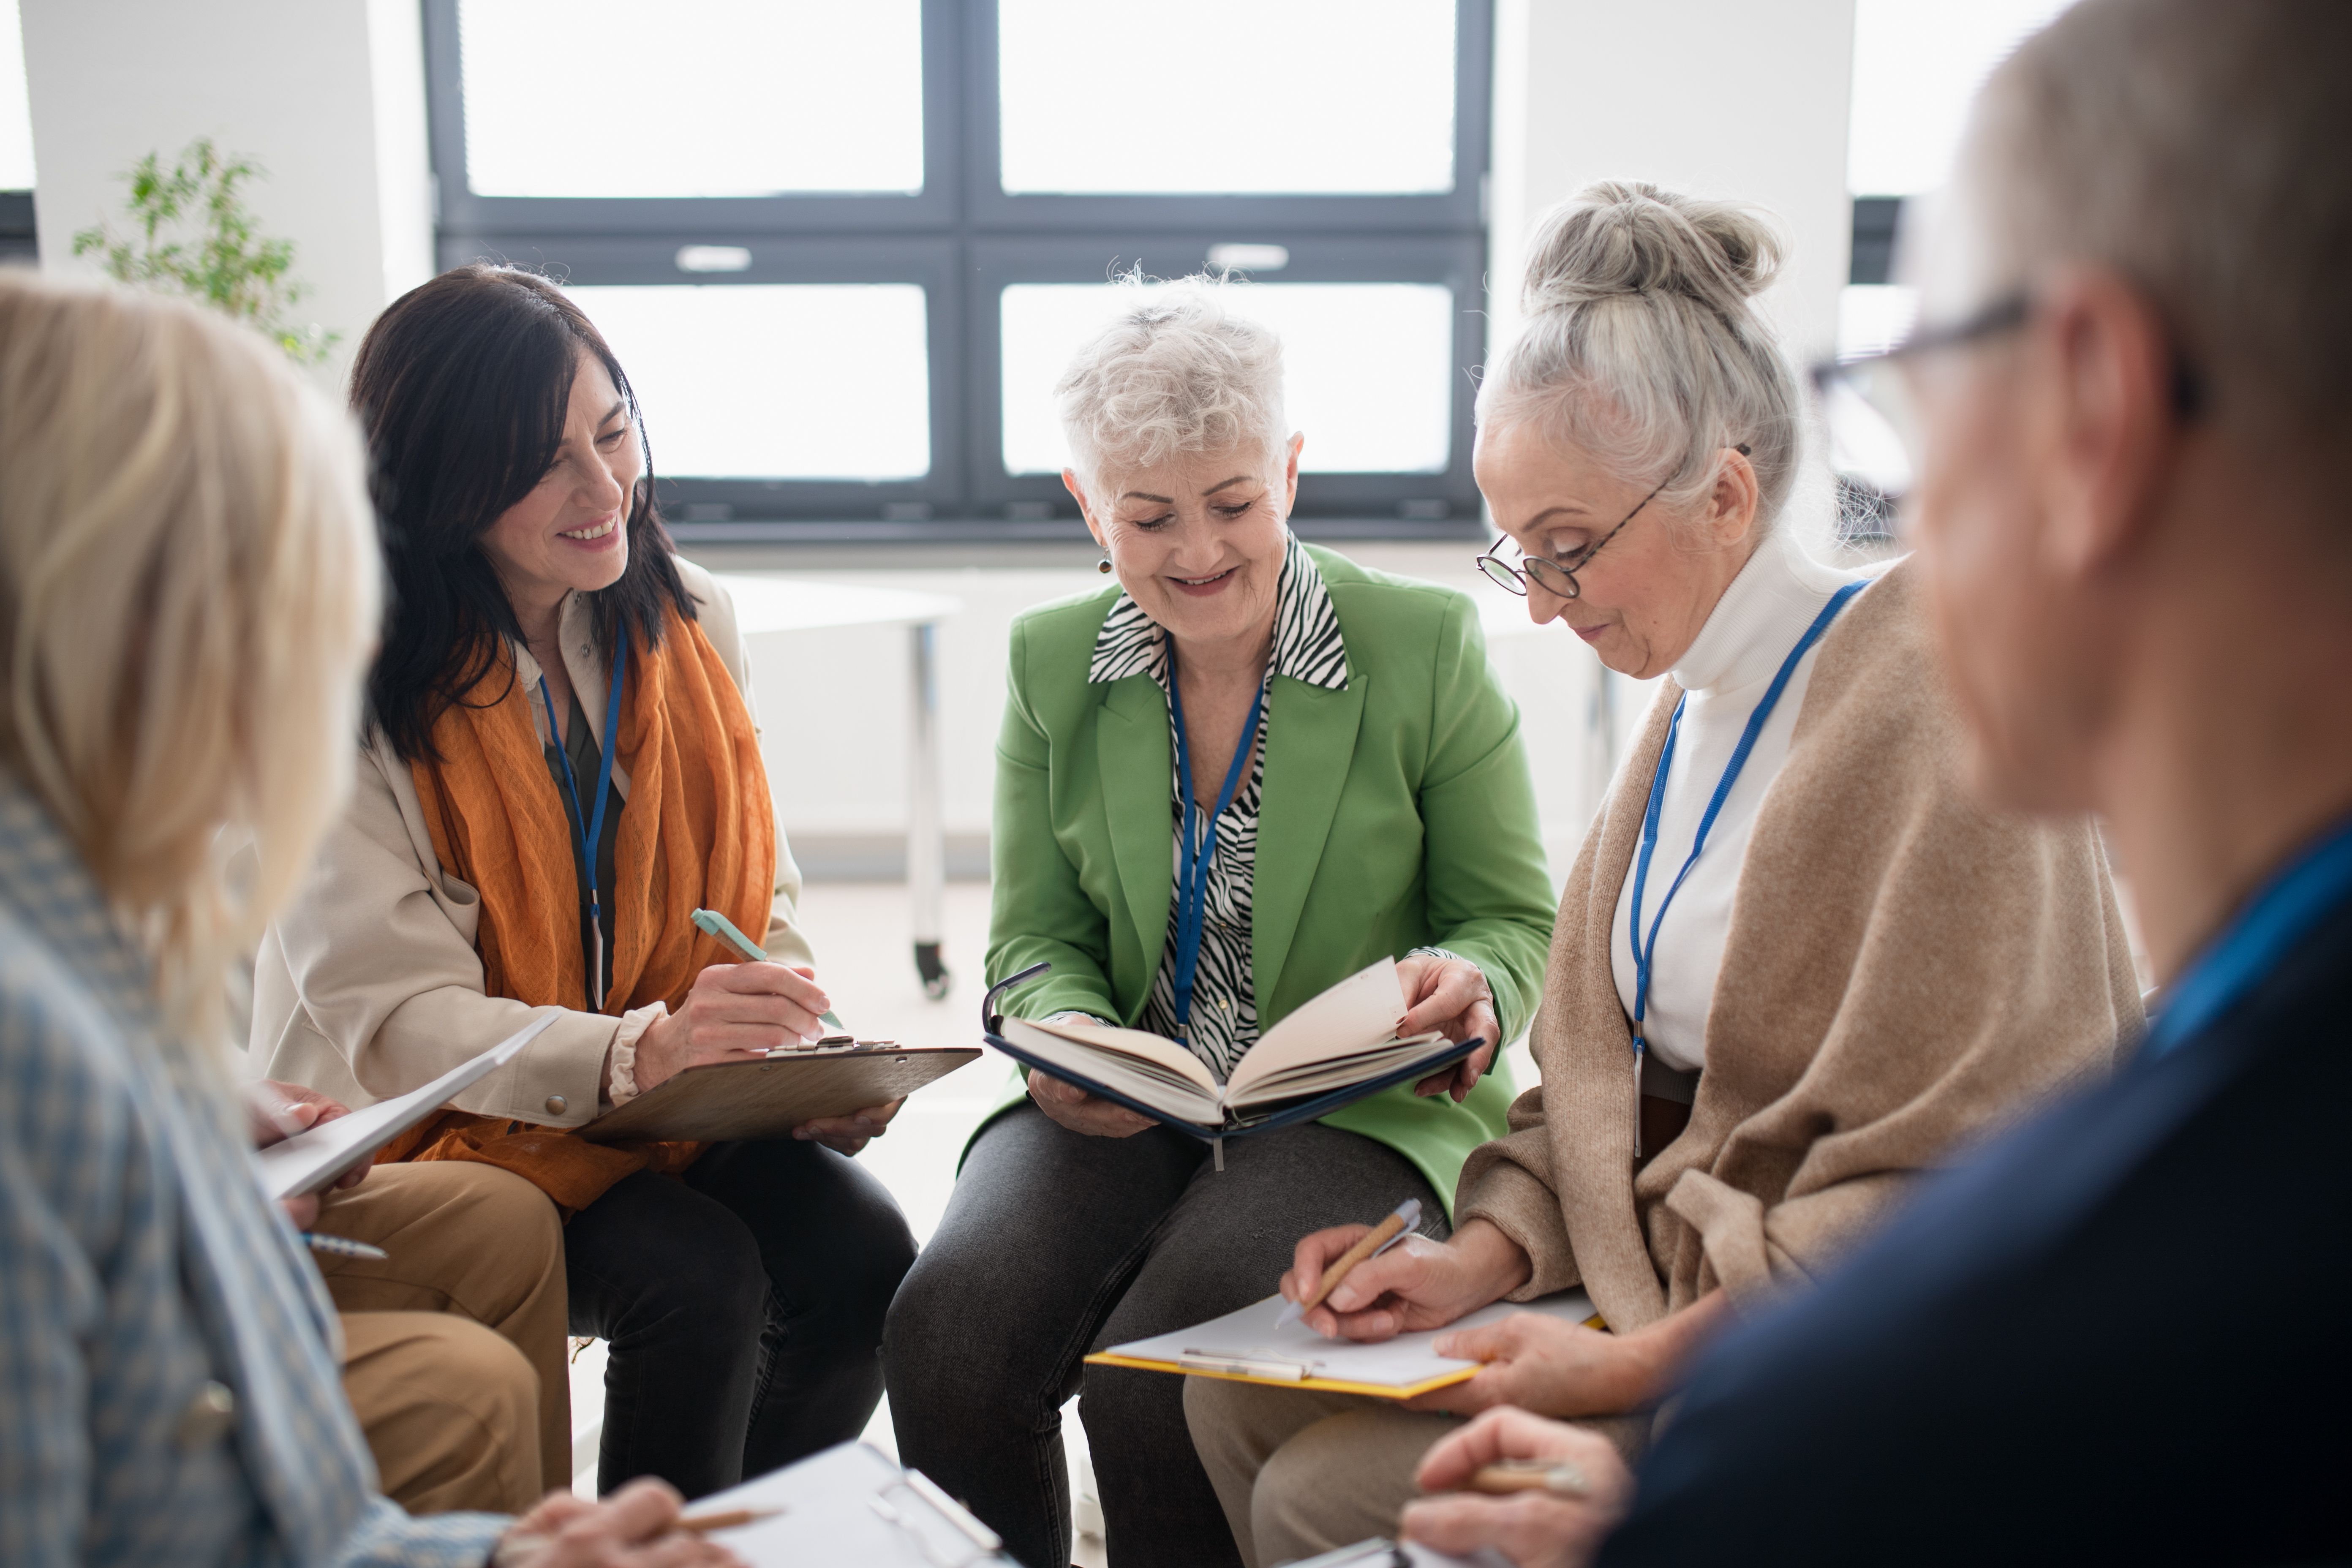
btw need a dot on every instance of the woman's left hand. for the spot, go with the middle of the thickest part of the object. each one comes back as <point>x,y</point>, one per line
<point>1450,995</point>
<point>848,1134</point>
<point>1530,1529</point>
<point>1543,1365</point>
<point>275,1111</point>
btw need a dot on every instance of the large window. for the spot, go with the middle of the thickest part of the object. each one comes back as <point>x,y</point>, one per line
<point>846,249</point>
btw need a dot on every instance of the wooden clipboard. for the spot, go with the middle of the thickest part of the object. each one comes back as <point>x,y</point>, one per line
<point>769,1097</point>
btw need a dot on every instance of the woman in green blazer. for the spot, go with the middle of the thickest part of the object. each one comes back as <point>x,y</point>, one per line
<point>1333,745</point>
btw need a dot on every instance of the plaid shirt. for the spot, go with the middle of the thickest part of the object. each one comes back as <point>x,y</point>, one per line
<point>169,1388</point>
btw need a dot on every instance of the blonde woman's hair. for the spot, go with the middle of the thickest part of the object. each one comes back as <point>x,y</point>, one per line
<point>1176,372</point>
<point>1640,345</point>
<point>188,588</point>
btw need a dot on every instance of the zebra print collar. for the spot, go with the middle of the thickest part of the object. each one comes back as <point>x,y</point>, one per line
<point>1306,642</point>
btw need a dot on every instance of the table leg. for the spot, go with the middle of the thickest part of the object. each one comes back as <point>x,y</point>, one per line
<point>927,858</point>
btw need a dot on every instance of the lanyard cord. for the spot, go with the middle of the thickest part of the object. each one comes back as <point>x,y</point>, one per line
<point>1191,860</point>
<point>1645,948</point>
<point>590,830</point>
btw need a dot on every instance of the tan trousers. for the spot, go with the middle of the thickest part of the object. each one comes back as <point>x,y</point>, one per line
<point>1301,1473</point>
<point>454,1346</point>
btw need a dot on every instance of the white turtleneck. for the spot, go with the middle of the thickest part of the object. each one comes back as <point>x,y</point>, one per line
<point>1726,670</point>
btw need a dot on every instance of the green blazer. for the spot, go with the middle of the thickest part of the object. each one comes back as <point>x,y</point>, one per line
<point>1397,813</point>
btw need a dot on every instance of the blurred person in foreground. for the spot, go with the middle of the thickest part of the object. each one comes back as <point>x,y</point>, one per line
<point>2115,1336</point>
<point>187,581</point>
<point>1795,965</point>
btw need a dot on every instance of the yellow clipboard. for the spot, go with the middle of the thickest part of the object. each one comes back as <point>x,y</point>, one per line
<point>1320,1385</point>
<point>1279,1362</point>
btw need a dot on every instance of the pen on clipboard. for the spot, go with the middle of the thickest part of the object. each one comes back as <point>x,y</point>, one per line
<point>1375,1242</point>
<point>712,924</point>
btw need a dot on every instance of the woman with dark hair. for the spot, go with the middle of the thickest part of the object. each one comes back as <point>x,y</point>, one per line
<point>561,765</point>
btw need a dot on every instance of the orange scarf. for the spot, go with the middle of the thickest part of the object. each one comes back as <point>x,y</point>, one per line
<point>698,833</point>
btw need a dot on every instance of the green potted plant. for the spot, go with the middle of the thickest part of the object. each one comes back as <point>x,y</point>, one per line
<point>192,234</point>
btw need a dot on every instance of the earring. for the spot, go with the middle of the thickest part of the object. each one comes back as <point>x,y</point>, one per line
<point>1103,566</point>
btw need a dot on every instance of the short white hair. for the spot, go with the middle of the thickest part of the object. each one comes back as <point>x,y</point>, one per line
<point>1641,345</point>
<point>1175,371</point>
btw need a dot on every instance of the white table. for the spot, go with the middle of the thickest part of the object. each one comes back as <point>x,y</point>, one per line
<point>774,603</point>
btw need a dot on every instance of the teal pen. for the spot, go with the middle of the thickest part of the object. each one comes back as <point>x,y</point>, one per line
<point>711,923</point>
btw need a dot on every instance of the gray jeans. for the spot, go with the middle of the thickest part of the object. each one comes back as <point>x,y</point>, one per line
<point>1056,1244</point>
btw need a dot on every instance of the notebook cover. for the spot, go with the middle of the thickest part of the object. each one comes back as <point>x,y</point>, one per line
<point>767,1098</point>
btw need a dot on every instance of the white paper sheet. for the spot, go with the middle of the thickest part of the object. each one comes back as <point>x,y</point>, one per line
<point>309,1160</point>
<point>1250,1335</point>
<point>1359,1011</point>
<point>850,1505</point>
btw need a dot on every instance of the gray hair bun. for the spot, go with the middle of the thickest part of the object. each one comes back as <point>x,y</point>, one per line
<point>1641,346</point>
<point>1622,238</point>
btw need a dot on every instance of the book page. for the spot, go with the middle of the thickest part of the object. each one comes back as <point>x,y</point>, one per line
<point>1165,1054</point>
<point>1359,1011</point>
<point>1143,1080</point>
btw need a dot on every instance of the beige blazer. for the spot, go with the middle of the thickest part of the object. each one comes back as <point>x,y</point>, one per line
<point>1905,972</point>
<point>368,984</point>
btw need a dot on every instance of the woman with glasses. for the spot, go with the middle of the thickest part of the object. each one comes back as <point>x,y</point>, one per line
<point>1793,964</point>
<point>1240,773</point>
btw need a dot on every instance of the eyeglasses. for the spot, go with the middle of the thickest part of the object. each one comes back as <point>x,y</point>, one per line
<point>1555,576</point>
<point>1867,407</point>
<point>1876,436</point>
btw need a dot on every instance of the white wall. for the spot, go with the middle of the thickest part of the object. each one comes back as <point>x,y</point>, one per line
<point>326,95</point>
<point>1726,99</point>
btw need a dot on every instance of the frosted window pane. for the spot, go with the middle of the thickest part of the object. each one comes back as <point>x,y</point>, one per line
<point>16,107</point>
<point>796,381</point>
<point>1916,64</point>
<point>1368,369</point>
<point>1222,97</point>
<point>692,98</point>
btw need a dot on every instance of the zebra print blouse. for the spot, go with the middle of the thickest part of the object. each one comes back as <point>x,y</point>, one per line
<point>1307,646</point>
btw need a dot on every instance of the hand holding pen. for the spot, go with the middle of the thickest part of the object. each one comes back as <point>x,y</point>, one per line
<point>1318,1269</point>
<point>1541,1492</point>
<point>844,1134</point>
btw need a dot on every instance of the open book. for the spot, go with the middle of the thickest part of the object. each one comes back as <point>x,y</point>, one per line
<point>1339,1046</point>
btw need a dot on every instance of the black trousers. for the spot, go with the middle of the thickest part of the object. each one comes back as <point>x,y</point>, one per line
<point>1056,1244</point>
<point>743,1306</point>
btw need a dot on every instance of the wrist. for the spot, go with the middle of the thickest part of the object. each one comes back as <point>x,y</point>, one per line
<point>1494,1260</point>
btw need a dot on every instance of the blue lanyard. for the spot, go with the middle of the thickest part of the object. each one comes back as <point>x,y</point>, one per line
<point>1192,860</point>
<point>1645,949</point>
<point>2311,888</point>
<point>591,829</point>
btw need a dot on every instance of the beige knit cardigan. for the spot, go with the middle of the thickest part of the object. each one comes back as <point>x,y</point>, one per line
<point>1905,972</point>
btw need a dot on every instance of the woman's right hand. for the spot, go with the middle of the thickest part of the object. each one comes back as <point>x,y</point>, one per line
<point>736,1011</point>
<point>637,1527</point>
<point>1080,1111</point>
<point>1416,1284</point>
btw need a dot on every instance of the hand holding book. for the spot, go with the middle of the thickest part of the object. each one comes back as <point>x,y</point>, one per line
<point>1334,1049</point>
<point>1449,995</point>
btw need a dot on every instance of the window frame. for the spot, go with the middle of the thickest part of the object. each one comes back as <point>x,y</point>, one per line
<point>460,211</point>
<point>963,238</point>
